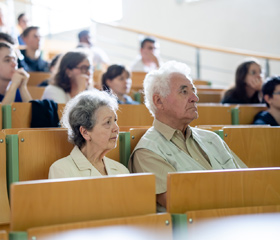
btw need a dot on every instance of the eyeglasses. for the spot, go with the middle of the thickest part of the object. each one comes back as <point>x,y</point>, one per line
<point>276,93</point>
<point>85,69</point>
<point>253,72</point>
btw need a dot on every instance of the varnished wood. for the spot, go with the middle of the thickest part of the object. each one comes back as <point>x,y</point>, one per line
<point>4,201</point>
<point>37,77</point>
<point>199,215</point>
<point>50,202</point>
<point>22,112</point>
<point>1,117</point>
<point>209,97</point>
<point>188,191</point>
<point>212,114</point>
<point>38,150</point>
<point>3,235</point>
<point>135,136</point>
<point>137,79</point>
<point>256,146</point>
<point>198,82</point>
<point>9,131</point>
<point>151,226</point>
<point>36,92</point>
<point>114,154</point>
<point>134,115</point>
<point>248,112</point>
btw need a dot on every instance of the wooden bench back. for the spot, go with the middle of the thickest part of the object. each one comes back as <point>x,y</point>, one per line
<point>187,191</point>
<point>37,77</point>
<point>50,202</point>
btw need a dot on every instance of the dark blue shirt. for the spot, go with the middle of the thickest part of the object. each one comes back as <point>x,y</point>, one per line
<point>265,117</point>
<point>33,65</point>
<point>17,97</point>
<point>128,100</point>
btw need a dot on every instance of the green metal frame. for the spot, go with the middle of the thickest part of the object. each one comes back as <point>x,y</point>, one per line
<point>6,116</point>
<point>124,145</point>
<point>18,236</point>
<point>179,225</point>
<point>12,159</point>
<point>137,97</point>
<point>220,133</point>
<point>235,116</point>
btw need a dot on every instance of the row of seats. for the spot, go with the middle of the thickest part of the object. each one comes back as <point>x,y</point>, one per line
<point>44,209</point>
<point>18,115</point>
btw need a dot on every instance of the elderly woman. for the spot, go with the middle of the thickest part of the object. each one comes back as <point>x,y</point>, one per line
<point>73,76</point>
<point>92,126</point>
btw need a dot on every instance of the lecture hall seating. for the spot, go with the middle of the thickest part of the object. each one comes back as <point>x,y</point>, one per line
<point>37,77</point>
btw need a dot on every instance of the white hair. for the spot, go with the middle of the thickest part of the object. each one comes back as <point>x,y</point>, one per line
<point>158,81</point>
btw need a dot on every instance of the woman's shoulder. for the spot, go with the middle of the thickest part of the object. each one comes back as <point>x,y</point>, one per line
<point>230,97</point>
<point>55,93</point>
<point>114,164</point>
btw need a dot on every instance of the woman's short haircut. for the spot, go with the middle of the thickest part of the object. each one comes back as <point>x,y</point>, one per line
<point>158,81</point>
<point>69,61</point>
<point>81,111</point>
<point>112,72</point>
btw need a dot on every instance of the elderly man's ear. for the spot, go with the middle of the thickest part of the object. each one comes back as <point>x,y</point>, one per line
<point>84,132</point>
<point>158,101</point>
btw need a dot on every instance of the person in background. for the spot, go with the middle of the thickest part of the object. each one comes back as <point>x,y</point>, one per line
<point>117,79</point>
<point>100,58</point>
<point>91,121</point>
<point>171,145</point>
<point>53,69</point>
<point>74,75</point>
<point>33,61</point>
<point>271,96</point>
<point>248,84</point>
<point>21,26</point>
<point>148,60</point>
<point>13,81</point>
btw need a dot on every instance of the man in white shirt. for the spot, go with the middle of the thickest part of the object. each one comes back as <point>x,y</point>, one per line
<point>148,60</point>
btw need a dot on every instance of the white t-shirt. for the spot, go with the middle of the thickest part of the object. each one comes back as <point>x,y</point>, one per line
<point>56,94</point>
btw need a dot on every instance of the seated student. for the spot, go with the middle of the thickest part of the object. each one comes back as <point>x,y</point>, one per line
<point>92,126</point>
<point>33,61</point>
<point>13,81</point>
<point>248,84</point>
<point>271,96</point>
<point>148,60</point>
<point>74,75</point>
<point>117,79</point>
<point>171,145</point>
<point>21,26</point>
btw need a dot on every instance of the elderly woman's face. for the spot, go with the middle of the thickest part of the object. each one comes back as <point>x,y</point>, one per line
<point>105,133</point>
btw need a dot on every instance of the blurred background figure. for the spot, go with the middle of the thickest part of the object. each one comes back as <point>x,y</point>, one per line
<point>248,84</point>
<point>100,57</point>
<point>23,23</point>
<point>117,79</point>
<point>148,59</point>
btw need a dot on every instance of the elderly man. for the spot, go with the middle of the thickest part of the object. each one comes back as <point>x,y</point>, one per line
<point>171,145</point>
<point>148,60</point>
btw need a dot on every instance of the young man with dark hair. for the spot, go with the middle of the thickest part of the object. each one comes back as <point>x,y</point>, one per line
<point>148,60</point>
<point>33,61</point>
<point>271,96</point>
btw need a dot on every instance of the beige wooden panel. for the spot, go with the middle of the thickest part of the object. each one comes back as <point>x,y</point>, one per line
<point>50,202</point>
<point>114,154</point>
<point>38,150</point>
<point>199,215</point>
<point>1,117</point>
<point>204,88</point>
<point>151,226</point>
<point>212,114</point>
<point>60,108</point>
<point>137,79</point>
<point>36,92</point>
<point>37,77</point>
<point>4,201</point>
<point>3,235</point>
<point>189,191</point>
<point>248,112</point>
<point>9,131</point>
<point>21,115</point>
<point>134,115</point>
<point>209,97</point>
<point>135,136</point>
<point>256,146</point>
<point>97,78</point>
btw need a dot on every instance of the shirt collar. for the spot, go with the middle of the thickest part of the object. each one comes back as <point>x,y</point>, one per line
<point>79,159</point>
<point>168,131</point>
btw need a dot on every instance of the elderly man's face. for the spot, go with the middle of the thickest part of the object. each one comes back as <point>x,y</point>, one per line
<point>180,104</point>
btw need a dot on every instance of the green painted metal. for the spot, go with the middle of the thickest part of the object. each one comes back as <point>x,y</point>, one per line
<point>137,97</point>
<point>220,133</point>
<point>12,159</point>
<point>179,225</point>
<point>124,145</point>
<point>235,116</point>
<point>6,116</point>
<point>18,236</point>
